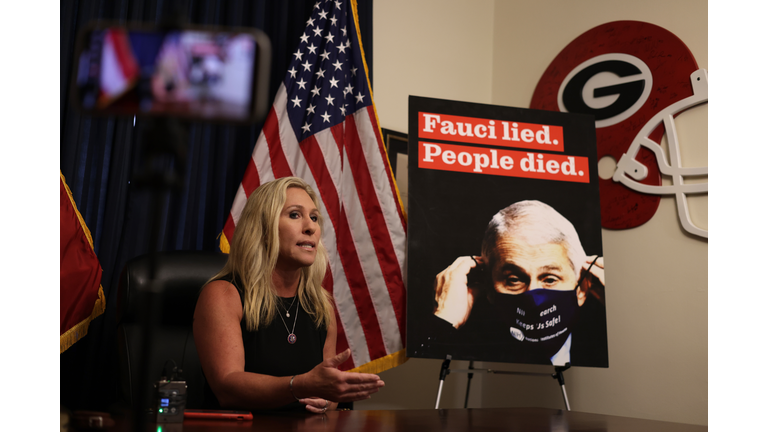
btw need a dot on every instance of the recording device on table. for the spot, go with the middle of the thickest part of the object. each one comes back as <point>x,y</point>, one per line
<point>170,396</point>
<point>171,401</point>
<point>192,72</point>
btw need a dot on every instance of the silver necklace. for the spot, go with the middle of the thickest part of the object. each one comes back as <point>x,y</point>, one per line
<point>291,335</point>
<point>288,310</point>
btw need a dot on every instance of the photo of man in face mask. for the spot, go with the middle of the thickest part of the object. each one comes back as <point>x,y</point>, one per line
<point>533,291</point>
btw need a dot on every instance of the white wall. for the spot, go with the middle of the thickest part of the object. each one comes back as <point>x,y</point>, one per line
<point>495,52</point>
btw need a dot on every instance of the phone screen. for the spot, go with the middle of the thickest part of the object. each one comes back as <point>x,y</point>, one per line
<point>196,73</point>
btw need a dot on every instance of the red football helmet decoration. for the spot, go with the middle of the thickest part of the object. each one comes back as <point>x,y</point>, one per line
<point>634,77</point>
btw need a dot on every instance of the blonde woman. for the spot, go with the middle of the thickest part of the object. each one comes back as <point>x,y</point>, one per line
<point>264,327</point>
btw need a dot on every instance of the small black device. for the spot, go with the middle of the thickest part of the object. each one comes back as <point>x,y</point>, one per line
<point>171,400</point>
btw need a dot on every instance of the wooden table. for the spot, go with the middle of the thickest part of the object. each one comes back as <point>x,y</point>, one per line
<point>445,420</point>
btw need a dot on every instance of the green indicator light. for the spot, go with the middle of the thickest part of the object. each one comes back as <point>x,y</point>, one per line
<point>160,410</point>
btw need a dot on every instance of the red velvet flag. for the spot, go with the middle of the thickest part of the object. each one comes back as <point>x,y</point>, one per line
<point>81,294</point>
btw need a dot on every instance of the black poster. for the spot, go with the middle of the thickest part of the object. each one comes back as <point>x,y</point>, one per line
<point>505,257</point>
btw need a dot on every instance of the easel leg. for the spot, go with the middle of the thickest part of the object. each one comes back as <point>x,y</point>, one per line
<point>469,381</point>
<point>560,379</point>
<point>565,398</point>
<point>444,371</point>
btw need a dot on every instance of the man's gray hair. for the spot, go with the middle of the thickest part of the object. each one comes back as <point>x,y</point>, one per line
<point>537,223</point>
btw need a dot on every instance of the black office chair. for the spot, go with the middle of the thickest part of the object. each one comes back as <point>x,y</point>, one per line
<point>182,274</point>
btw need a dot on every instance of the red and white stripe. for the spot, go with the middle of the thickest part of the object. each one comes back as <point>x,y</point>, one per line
<point>119,68</point>
<point>365,225</point>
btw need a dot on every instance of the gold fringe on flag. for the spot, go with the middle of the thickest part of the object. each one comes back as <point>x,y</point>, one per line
<point>223,243</point>
<point>79,330</point>
<point>382,363</point>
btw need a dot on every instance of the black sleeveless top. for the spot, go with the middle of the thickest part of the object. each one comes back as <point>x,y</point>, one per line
<point>268,352</point>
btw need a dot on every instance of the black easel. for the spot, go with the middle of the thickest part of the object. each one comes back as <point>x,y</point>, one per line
<point>445,370</point>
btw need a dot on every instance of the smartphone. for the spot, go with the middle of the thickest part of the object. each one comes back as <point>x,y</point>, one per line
<point>217,414</point>
<point>193,72</point>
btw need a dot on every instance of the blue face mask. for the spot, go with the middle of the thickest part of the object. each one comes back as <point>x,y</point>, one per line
<point>540,319</point>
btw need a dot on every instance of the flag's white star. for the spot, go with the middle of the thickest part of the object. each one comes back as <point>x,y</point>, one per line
<point>348,89</point>
<point>311,109</point>
<point>307,65</point>
<point>334,82</point>
<point>318,31</point>
<point>317,5</point>
<point>344,30</point>
<point>292,71</point>
<point>298,54</point>
<point>354,70</point>
<point>343,110</point>
<point>337,65</point>
<point>301,83</point>
<point>360,97</point>
<point>333,20</point>
<point>320,73</point>
<point>316,91</point>
<point>323,14</point>
<point>312,48</point>
<point>305,127</point>
<point>304,38</point>
<point>325,55</point>
<point>338,4</point>
<point>296,102</point>
<point>310,21</point>
<point>329,38</point>
<point>329,99</point>
<point>326,117</point>
<point>341,47</point>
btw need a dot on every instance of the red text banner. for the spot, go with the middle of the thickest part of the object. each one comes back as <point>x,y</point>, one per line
<point>480,160</point>
<point>492,132</point>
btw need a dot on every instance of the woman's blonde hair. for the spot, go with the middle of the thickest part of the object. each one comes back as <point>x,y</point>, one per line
<point>254,251</point>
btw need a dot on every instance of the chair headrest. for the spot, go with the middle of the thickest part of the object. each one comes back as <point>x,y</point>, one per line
<point>180,274</point>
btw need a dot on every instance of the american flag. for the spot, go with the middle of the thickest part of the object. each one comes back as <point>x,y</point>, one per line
<point>119,67</point>
<point>323,128</point>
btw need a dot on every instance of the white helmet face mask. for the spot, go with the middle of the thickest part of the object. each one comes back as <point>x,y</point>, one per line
<point>630,172</point>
